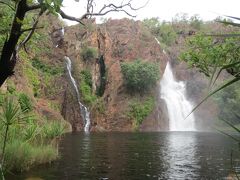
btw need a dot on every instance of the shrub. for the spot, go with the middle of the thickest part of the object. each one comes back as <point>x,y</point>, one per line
<point>87,77</point>
<point>139,75</point>
<point>25,102</point>
<point>49,69</point>
<point>89,53</point>
<point>140,110</point>
<point>167,34</point>
<point>53,130</point>
<point>86,92</point>
<point>86,87</point>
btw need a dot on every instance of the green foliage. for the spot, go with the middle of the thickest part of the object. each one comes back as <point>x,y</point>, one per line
<point>85,87</point>
<point>228,101</point>
<point>51,70</point>
<point>140,75</point>
<point>87,95</point>
<point>21,155</point>
<point>86,77</point>
<point>167,34</point>
<point>207,53</point>
<point>11,87</point>
<point>52,5</point>
<point>6,15</point>
<point>33,77</point>
<point>25,102</point>
<point>138,110</point>
<point>89,53</point>
<point>25,143</point>
<point>2,96</point>
<point>53,130</point>
<point>11,112</point>
<point>163,31</point>
<point>196,22</point>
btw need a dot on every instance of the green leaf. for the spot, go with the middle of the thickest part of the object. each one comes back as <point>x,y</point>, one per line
<point>215,91</point>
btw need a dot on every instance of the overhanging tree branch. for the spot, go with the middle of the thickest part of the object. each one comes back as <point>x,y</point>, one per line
<point>32,30</point>
<point>9,51</point>
<point>65,16</point>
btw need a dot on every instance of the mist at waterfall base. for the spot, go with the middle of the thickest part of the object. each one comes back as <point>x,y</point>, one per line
<point>83,109</point>
<point>174,95</point>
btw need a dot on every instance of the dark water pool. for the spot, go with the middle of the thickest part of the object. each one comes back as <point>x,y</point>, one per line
<point>164,155</point>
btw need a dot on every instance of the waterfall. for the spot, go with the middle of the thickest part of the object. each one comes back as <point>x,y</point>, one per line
<point>173,93</point>
<point>83,109</point>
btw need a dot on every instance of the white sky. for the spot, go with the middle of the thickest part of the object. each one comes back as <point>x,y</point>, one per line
<point>165,9</point>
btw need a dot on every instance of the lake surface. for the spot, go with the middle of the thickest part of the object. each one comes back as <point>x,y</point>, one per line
<point>126,156</point>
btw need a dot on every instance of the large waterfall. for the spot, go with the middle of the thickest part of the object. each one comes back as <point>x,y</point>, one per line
<point>83,109</point>
<point>173,93</point>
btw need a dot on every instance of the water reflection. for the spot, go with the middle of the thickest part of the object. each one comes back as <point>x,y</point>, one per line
<point>166,155</point>
<point>180,156</point>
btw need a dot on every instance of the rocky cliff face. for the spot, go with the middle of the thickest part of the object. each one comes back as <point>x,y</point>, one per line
<point>116,41</point>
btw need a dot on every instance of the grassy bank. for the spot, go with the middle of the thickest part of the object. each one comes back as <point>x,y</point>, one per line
<point>25,140</point>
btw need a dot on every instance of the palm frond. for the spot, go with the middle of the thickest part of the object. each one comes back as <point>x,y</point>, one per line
<point>232,137</point>
<point>229,23</point>
<point>235,79</point>
<point>231,125</point>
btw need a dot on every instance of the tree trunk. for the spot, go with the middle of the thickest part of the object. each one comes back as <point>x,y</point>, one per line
<point>8,56</point>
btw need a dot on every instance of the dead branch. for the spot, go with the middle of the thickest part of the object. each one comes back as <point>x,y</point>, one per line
<point>107,8</point>
<point>65,16</point>
<point>30,29</point>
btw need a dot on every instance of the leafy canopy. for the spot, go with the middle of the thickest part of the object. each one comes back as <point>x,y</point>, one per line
<point>208,54</point>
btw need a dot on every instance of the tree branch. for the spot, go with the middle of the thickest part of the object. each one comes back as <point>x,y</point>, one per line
<point>123,7</point>
<point>33,7</point>
<point>65,16</point>
<point>32,30</point>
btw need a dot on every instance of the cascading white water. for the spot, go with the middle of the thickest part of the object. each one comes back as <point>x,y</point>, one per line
<point>174,94</point>
<point>83,109</point>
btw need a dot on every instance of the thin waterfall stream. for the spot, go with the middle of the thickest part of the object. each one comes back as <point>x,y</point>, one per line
<point>83,109</point>
<point>174,94</point>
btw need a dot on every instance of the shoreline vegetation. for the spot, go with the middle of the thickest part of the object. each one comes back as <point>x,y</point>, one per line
<point>24,140</point>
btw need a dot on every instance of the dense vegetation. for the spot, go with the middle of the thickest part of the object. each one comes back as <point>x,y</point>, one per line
<point>86,87</point>
<point>212,55</point>
<point>208,54</point>
<point>167,32</point>
<point>139,110</point>
<point>25,140</point>
<point>140,75</point>
<point>89,53</point>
